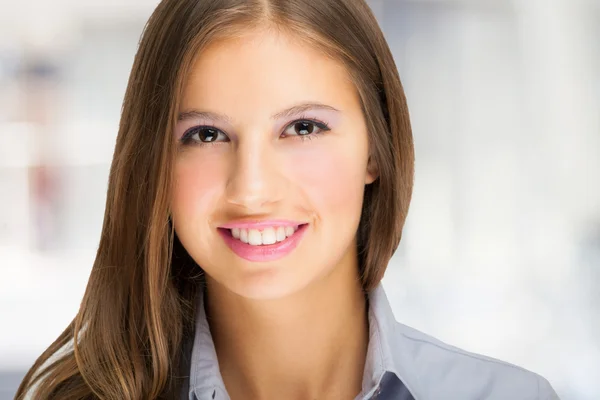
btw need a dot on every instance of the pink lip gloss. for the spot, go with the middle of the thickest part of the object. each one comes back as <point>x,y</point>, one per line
<point>262,253</point>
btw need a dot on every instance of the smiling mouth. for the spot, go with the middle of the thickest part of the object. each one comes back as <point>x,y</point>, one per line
<point>263,236</point>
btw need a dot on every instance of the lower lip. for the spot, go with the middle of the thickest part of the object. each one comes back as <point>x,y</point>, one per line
<point>264,253</point>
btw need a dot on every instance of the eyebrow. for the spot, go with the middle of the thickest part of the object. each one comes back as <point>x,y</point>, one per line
<point>295,110</point>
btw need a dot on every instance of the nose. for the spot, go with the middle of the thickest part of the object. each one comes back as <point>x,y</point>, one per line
<point>256,182</point>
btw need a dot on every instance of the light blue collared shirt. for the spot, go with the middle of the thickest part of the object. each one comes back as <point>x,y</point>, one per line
<point>402,364</point>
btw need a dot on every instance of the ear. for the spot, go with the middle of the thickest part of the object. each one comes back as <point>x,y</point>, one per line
<point>372,171</point>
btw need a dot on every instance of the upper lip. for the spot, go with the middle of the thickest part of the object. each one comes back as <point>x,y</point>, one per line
<point>257,224</point>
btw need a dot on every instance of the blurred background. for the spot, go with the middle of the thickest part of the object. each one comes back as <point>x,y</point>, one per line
<point>501,251</point>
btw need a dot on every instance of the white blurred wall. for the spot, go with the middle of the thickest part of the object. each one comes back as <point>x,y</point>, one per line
<point>501,252</point>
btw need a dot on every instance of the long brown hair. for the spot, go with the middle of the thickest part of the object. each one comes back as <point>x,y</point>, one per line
<point>126,342</point>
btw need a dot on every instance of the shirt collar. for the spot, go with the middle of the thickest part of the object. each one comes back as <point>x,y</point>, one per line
<point>383,352</point>
<point>387,353</point>
<point>205,377</point>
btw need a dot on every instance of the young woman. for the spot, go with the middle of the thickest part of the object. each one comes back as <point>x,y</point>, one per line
<point>260,182</point>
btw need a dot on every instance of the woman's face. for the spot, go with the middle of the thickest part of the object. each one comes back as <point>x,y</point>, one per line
<point>271,166</point>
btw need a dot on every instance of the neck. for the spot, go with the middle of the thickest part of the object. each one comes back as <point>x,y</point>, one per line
<point>311,344</point>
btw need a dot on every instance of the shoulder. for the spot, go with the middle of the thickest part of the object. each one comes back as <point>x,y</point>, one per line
<point>442,371</point>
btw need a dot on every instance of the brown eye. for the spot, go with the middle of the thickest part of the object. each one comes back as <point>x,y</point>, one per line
<point>208,134</point>
<point>204,134</point>
<point>304,128</point>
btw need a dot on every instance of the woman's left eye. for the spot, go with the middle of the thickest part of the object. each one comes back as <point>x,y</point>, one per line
<point>305,128</point>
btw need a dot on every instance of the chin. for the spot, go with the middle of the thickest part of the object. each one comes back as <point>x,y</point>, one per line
<point>267,284</point>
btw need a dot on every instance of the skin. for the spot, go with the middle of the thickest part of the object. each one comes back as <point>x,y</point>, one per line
<point>293,328</point>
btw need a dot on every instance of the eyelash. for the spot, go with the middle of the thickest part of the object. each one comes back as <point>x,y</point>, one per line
<point>321,125</point>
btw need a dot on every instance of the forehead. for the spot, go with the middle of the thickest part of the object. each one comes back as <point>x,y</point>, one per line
<point>266,71</point>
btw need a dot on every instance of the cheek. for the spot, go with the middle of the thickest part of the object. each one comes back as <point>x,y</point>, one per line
<point>332,177</point>
<point>197,184</point>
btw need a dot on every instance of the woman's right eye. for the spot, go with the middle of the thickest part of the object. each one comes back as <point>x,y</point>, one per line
<point>203,135</point>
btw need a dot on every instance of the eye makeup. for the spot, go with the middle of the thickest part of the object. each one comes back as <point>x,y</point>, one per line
<point>195,120</point>
<point>302,122</point>
<point>317,114</point>
<point>311,126</point>
<point>207,135</point>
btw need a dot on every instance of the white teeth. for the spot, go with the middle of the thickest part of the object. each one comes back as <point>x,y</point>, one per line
<point>254,237</point>
<point>289,230</point>
<point>244,235</point>
<point>281,234</point>
<point>266,236</point>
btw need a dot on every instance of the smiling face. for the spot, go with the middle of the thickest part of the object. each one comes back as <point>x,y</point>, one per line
<point>271,166</point>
